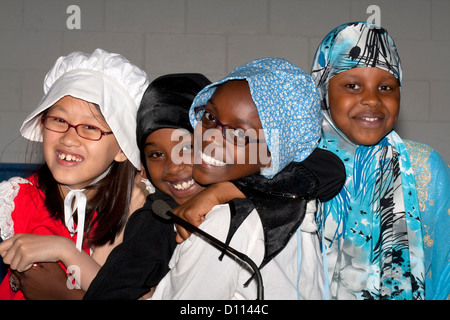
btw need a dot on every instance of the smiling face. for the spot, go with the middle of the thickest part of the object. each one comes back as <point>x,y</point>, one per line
<point>364,103</point>
<point>221,160</point>
<point>73,160</point>
<point>169,157</point>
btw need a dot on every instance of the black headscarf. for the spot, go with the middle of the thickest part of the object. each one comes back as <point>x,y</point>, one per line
<point>166,103</point>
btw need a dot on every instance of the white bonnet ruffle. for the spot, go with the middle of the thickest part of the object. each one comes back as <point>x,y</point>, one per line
<point>106,79</point>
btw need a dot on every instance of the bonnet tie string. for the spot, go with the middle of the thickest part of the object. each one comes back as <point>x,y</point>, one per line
<point>80,207</point>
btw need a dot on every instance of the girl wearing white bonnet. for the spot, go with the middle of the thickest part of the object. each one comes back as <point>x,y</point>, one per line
<point>74,208</point>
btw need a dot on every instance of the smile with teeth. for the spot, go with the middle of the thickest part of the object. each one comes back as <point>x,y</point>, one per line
<point>183,185</point>
<point>370,119</point>
<point>210,160</point>
<point>69,157</point>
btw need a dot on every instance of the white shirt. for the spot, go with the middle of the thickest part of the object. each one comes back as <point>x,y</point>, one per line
<point>197,273</point>
<point>297,273</point>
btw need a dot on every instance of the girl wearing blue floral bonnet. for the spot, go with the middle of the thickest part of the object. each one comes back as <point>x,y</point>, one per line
<point>271,107</point>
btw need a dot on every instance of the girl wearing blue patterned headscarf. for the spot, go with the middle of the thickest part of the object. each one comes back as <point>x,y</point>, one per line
<point>386,233</point>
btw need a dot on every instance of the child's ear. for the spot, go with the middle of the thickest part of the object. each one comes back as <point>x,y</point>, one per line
<point>120,156</point>
<point>143,172</point>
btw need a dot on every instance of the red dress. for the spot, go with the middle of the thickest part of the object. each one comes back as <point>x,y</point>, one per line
<point>29,216</point>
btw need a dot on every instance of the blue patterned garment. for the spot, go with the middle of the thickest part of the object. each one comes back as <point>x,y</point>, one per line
<point>432,176</point>
<point>372,230</point>
<point>288,105</point>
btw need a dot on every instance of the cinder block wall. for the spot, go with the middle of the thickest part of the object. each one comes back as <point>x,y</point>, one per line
<point>213,37</point>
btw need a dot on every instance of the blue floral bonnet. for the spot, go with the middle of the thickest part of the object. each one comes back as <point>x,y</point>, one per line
<point>288,105</point>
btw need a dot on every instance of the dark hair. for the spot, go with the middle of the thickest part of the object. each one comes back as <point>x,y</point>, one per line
<point>110,201</point>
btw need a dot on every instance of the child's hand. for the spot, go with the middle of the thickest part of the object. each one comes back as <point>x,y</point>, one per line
<point>47,281</point>
<point>195,209</point>
<point>23,250</point>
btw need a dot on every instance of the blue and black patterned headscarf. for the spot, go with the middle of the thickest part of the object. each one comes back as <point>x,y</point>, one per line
<point>354,45</point>
<point>371,230</point>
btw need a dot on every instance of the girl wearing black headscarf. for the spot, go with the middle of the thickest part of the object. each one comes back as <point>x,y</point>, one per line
<point>136,265</point>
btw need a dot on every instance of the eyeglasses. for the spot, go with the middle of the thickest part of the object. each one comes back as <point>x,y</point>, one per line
<point>238,137</point>
<point>86,131</point>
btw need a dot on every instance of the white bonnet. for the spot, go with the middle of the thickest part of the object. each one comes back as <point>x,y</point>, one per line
<point>106,79</point>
